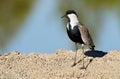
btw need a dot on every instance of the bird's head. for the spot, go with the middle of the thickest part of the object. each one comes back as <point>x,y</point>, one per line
<point>70,14</point>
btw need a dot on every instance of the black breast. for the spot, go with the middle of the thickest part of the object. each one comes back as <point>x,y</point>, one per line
<point>74,34</point>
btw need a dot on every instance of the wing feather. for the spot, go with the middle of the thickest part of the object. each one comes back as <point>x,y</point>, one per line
<point>85,35</point>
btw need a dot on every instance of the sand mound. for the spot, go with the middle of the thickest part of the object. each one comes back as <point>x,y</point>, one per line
<point>98,65</point>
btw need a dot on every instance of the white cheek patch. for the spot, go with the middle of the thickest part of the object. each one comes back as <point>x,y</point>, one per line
<point>73,20</point>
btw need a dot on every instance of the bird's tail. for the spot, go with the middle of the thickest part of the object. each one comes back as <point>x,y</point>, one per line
<point>92,48</point>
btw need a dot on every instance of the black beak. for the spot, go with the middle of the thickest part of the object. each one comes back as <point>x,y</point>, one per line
<point>64,16</point>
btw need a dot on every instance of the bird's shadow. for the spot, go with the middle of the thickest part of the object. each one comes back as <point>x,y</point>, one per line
<point>95,53</point>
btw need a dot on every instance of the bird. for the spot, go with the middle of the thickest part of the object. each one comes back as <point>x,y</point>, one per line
<point>78,33</point>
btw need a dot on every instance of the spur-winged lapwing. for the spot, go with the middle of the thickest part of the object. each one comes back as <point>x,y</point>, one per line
<point>78,33</point>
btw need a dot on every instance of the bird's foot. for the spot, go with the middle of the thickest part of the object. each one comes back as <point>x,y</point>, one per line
<point>73,64</point>
<point>83,67</point>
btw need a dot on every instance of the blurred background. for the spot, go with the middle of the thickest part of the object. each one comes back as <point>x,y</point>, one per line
<point>36,25</point>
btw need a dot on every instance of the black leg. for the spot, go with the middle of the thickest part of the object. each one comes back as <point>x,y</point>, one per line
<point>75,55</point>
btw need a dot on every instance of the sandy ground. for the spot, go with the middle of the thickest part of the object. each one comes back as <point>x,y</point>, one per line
<point>98,65</point>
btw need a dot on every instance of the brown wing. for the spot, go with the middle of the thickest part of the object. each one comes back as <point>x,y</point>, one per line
<point>85,35</point>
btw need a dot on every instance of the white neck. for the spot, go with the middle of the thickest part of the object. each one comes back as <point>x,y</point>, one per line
<point>73,20</point>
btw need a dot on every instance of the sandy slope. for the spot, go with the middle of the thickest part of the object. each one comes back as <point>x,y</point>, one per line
<point>98,65</point>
